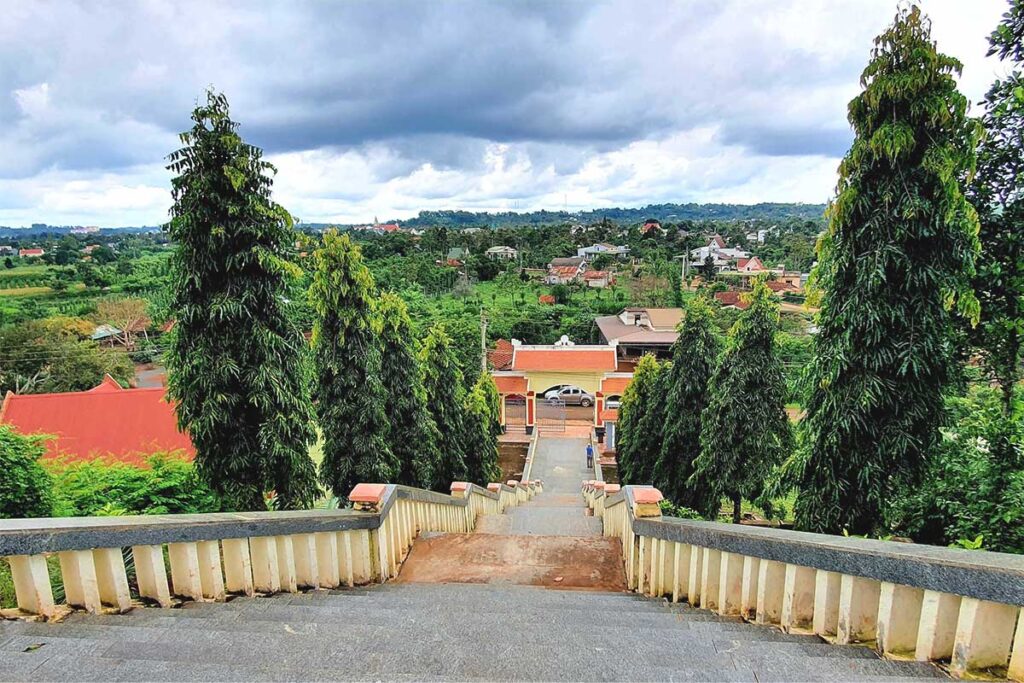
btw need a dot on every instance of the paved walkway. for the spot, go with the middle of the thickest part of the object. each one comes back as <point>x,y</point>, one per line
<point>561,464</point>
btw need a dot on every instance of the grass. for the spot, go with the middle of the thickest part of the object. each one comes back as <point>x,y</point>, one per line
<point>25,291</point>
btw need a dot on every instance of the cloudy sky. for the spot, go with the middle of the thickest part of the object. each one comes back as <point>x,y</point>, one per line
<point>385,108</point>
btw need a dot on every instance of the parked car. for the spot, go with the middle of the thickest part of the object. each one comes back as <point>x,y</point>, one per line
<point>570,396</point>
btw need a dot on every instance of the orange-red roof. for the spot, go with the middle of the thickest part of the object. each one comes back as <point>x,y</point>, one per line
<point>568,359</point>
<point>510,385</point>
<point>777,286</point>
<point>610,414</point>
<point>564,271</point>
<point>546,298</point>
<point>108,384</point>
<point>595,274</point>
<point>500,357</point>
<point>126,425</point>
<point>731,299</point>
<point>614,386</point>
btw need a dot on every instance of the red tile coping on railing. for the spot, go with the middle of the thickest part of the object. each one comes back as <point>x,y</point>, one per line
<point>647,495</point>
<point>612,488</point>
<point>598,485</point>
<point>459,486</point>
<point>494,487</point>
<point>512,482</point>
<point>367,493</point>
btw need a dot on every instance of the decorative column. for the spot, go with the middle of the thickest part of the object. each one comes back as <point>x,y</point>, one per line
<point>598,422</point>
<point>504,397</point>
<point>531,410</point>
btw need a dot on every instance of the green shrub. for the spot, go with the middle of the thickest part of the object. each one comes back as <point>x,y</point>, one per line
<point>25,487</point>
<point>972,495</point>
<point>670,509</point>
<point>170,485</point>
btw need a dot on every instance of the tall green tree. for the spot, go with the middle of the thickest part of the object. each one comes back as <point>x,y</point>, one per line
<point>638,442</point>
<point>998,195</point>
<point>413,436</point>
<point>897,257</point>
<point>481,437</point>
<point>236,355</point>
<point>693,362</point>
<point>745,431</point>
<point>350,397</point>
<point>446,395</point>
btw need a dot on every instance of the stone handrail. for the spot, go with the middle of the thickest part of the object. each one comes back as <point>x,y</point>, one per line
<point>211,555</point>
<point>598,473</point>
<point>926,602</point>
<point>528,465</point>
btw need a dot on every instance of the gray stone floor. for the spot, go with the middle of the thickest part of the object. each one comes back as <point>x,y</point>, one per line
<point>561,464</point>
<point>430,632</point>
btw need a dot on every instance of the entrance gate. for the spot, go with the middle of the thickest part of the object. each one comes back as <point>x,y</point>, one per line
<point>551,415</point>
<point>515,414</point>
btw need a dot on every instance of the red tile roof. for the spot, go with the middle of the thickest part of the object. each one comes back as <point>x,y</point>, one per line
<point>108,384</point>
<point>510,385</point>
<point>568,359</point>
<point>388,227</point>
<point>564,272</point>
<point>718,241</point>
<point>500,357</point>
<point>754,263</point>
<point>777,286</point>
<point>614,386</point>
<point>30,252</point>
<point>595,274</point>
<point>610,415</point>
<point>732,299</point>
<point>125,425</point>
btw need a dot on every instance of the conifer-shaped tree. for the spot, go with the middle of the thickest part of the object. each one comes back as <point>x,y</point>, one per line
<point>481,436</point>
<point>236,356</point>
<point>897,257</point>
<point>745,431</point>
<point>412,436</point>
<point>446,395</point>
<point>638,442</point>
<point>686,381</point>
<point>350,398</point>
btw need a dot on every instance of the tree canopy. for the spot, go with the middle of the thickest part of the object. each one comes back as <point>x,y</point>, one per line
<point>898,255</point>
<point>235,360</point>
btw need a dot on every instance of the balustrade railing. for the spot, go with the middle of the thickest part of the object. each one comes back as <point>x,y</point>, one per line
<point>913,601</point>
<point>209,556</point>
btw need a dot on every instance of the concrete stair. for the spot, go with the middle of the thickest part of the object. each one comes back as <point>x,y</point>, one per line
<point>406,631</point>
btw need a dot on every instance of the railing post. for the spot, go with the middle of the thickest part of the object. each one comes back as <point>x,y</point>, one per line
<point>237,566</point>
<point>286,564</point>
<point>696,570</point>
<point>899,615</point>
<point>771,588</point>
<point>111,578</point>
<point>151,573</point>
<point>858,609</point>
<point>748,587</point>
<point>211,577</point>
<point>32,584</point>
<point>798,598</point>
<point>78,569</point>
<point>984,635</point>
<point>710,578</point>
<point>185,580</point>
<point>730,585</point>
<point>307,568</point>
<point>826,602</point>
<point>263,551</point>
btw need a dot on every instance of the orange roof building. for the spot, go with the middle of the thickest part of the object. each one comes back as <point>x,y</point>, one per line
<point>126,425</point>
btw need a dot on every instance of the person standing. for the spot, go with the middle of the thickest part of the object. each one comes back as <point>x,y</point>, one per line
<point>590,456</point>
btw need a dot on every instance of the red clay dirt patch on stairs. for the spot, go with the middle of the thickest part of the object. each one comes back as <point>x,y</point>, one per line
<point>564,562</point>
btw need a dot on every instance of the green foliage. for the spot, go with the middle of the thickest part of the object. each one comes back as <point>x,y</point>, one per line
<point>482,422</point>
<point>997,192</point>
<point>350,396</point>
<point>670,509</point>
<point>898,255</point>
<point>168,485</point>
<point>638,442</point>
<point>25,485</point>
<point>236,356</point>
<point>446,393</point>
<point>412,434</point>
<point>745,432</point>
<point>974,480</point>
<point>693,362</point>
<point>43,356</point>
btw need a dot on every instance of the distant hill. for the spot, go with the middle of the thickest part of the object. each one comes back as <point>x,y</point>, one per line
<point>670,213</point>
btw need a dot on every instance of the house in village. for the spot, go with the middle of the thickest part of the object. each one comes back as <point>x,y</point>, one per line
<point>563,271</point>
<point>652,228</point>
<point>598,279</point>
<point>125,425</point>
<point>723,257</point>
<point>750,265</point>
<point>636,331</point>
<point>732,300</point>
<point>502,253</point>
<point>29,253</point>
<point>603,248</point>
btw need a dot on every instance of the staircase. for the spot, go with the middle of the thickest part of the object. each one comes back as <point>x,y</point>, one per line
<point>536,593</point>
<point>430,632</point>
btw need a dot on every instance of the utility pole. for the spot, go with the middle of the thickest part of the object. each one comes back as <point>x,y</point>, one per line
<point>483,341</point>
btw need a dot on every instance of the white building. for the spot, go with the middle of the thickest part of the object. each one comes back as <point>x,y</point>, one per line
<point>603,248</point>
<point>502,253</point>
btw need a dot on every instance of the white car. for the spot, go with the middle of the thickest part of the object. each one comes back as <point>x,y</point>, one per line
<point>570,396</point>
